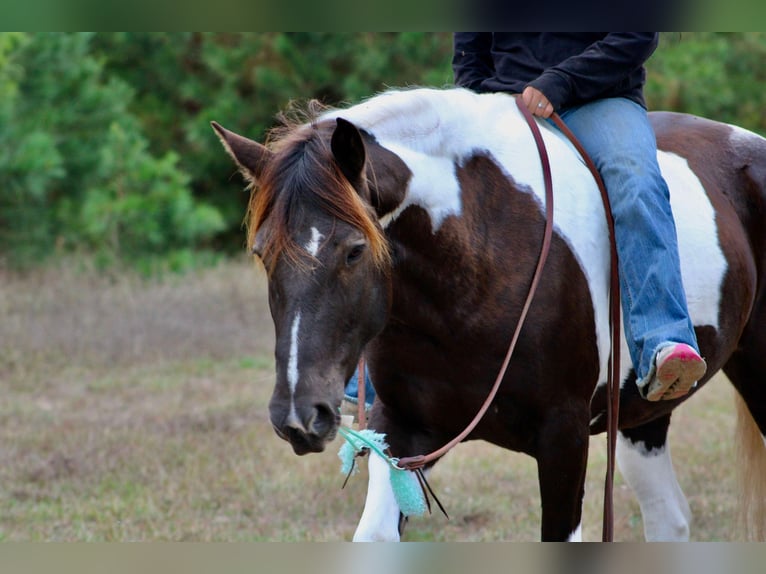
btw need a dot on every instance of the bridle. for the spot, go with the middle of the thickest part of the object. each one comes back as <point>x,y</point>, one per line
<point>415,463</point>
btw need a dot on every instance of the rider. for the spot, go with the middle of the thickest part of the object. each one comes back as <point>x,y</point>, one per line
<point>594,81</point>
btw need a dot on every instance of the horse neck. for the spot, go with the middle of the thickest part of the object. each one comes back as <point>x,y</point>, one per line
<point>486,248</point>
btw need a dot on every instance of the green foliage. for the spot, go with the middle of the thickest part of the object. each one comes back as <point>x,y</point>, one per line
<point>106,147</point>
<point>75,170</point>
<point>713,74</point>
<point>242,80</point>
<point>141,204</point>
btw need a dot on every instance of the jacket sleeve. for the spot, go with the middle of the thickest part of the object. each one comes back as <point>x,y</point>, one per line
<point>600,67</point>
<point>472,59</point>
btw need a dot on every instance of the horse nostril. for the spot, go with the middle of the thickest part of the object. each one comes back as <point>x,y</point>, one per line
<point>324,420</point>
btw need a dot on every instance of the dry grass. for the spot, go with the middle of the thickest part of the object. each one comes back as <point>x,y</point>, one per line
<point>70,313</point>
<point>136,410</point>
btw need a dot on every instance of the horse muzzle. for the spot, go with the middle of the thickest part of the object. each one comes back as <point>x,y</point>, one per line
<point>307,428</point>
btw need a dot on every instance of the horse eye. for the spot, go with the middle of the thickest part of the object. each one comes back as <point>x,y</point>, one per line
<point>355,254</point>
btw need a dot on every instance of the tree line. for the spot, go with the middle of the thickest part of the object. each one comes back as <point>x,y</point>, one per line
<point>106,148</point>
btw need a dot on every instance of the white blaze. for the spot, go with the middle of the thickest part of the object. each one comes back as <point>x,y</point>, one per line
<point>292,361</point>
<point>313,244</point>
<point>292,364</point>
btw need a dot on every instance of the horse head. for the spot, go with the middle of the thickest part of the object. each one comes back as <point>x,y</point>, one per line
<point>313,227</point>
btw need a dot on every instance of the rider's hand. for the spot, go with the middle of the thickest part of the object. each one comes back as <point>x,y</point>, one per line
<point>536,102</point>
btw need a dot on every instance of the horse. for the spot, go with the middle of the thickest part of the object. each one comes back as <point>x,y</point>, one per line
<point>407,227</point>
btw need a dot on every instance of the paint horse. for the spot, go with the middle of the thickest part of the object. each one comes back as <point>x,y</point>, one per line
<point>407,227</point>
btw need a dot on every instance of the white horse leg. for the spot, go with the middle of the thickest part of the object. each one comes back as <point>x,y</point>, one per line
<point>650,474</point>
<point>576,536</point>
<point>380,519</point>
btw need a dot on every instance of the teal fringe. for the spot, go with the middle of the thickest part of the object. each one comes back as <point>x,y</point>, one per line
<point>405,485</point>
<point>408,492</point>
<point>355,442</point>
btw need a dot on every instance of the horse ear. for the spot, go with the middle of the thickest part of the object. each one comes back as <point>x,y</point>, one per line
<point>348,149</point>
<point>250,156</point>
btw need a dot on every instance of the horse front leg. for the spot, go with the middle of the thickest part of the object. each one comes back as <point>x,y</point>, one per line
<point>643,456</point>
<point>380,518</point>
<point>562,458</point>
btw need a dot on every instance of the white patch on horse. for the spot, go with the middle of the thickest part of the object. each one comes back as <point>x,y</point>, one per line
<point>313,244</point>
<point>432,187</point>
<point>703,265</point>
<point>292,361</point>
<point>576,536</point>
<point>380,519</point>
<point>423,129</point>
<point>664,508</point>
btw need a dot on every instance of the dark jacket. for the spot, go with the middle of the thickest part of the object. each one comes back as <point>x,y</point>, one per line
<point>569,68</point>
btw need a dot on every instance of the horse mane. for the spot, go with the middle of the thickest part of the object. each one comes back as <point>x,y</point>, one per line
<point>303,170</point>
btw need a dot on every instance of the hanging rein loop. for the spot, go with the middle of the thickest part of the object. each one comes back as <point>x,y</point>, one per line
<point>613,385</point>
<point>361,394</point>
<point>613,376</point>
<point>415,462</point>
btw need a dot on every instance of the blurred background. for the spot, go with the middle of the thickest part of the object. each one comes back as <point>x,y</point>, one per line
<point>135,339</point>
<point>106,149</point>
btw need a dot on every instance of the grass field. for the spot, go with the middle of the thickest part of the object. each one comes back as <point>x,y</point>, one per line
<point>135,410</point>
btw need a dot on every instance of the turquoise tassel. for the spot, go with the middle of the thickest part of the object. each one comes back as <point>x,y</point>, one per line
<point>355,442</point>
<point>407,490</point>
<point>346,455</point>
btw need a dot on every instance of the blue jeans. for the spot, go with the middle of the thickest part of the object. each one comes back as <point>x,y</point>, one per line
<point>352,388</point>
<point>617,135</point>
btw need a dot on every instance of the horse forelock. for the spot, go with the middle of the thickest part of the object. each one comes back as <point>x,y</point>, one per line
<point>304,173</point>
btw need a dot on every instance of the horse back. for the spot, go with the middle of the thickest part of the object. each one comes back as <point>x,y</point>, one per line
<point>731,165</point>
<point>716,174</point>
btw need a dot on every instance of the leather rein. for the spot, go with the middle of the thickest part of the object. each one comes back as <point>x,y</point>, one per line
<point>415,463</point>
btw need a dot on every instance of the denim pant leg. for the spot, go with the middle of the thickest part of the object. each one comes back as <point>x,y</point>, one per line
<point>617,135</point>
<point>352,388</point>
